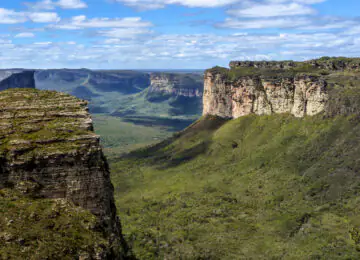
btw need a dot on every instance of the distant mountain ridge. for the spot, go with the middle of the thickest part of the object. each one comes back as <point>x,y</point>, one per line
<point>17,78</point>
<point>149,96</point>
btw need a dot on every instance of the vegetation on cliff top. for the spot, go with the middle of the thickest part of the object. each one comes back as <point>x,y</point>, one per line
<point>318,67</point>
<point>38,121</point>
<point>258,187</point>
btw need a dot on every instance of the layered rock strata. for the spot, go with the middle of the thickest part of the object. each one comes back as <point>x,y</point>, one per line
<point>176,84</point>
<point>48,148</point>
<point>300,96</point>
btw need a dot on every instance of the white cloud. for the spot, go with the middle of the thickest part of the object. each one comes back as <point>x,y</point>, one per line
<point>353,30</point>
<point>81,22</point>
<point>25,35</point>
<point>64,4</point>
<point>156,4</point>
<point>177,50</point>
<point>297,22</point>
<point>124,33</point>
<point>264,23</point>
<point>271,10</point>
<point>71,4</point>
<point>43,17</point>
<point>13,17</point>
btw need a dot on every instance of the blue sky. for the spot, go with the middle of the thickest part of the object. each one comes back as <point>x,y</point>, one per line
<point>173,34</point>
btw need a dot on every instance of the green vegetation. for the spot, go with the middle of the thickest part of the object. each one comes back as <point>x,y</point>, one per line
<point>38,127</point>
<point>118,136</point>
<point>258,187</point>
<point>266,73</point>
<point>33,228</point>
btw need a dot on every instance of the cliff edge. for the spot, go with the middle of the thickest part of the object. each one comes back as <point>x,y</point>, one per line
<point>48,151</point>
<point>299,88</point>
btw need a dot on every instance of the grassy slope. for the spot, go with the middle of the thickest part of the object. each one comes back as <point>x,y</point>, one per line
<point>259,187</point>
<point>33,228</point>
<point>119,136</point>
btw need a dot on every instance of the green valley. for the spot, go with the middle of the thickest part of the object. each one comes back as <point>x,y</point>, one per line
<point>258,187</point>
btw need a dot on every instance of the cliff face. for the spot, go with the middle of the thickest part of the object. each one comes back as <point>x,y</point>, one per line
<point>300,88</point>
<point>176,85</point>
<point>48,149</point>
<point>300,95</point>
<point>16,79</point>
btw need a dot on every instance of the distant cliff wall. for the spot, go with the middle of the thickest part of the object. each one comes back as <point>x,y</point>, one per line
<point>300,95</point>
<point>48,149</point>
<point>176,84</point>
<point>16,79</point>
<point>301,88</point>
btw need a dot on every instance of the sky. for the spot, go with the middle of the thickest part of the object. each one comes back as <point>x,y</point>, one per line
<point>173,34</point>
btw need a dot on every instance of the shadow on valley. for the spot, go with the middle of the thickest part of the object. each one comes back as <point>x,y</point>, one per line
<point>170,123</point>
<point>183,146</point>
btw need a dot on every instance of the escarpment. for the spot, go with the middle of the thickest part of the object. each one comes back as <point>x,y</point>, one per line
<point>16,79</point>
<point>181,85</point>
<point>265,88</point>
<point>48,150</point>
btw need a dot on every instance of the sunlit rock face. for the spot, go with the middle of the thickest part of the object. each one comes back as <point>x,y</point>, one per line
<point>185,85</point>
<point>298,95</point>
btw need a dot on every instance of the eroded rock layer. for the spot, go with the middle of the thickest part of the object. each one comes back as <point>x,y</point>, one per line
<point>48,149</point>
<point>300,95</point>
<point>176,84</point>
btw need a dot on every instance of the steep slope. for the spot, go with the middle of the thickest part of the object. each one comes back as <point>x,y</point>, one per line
<point>281,87</point>
<point>16,79</point>
<point>48,151</point>
<point>267,186</point>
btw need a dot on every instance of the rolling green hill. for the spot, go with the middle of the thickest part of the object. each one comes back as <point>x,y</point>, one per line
<point>258,187</point>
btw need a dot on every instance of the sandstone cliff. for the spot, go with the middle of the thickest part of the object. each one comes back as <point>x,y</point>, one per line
<point>264,88</point>
<point>301,95</point>
<point>16,79</point>
<point>183,85</point>
<point>48,150</point>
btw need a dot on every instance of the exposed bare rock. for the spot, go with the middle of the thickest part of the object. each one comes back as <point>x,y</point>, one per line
<point>175,84</point>
<point>46,139</point>
<point>299,95</point>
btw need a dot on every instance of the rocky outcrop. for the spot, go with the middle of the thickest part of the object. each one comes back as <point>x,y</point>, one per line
<point>299,95</point>
<point>325,63</point>
<point>184,85</point>
<point>16,79</point>
<point>263,64</point>
<point>48,149</point>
